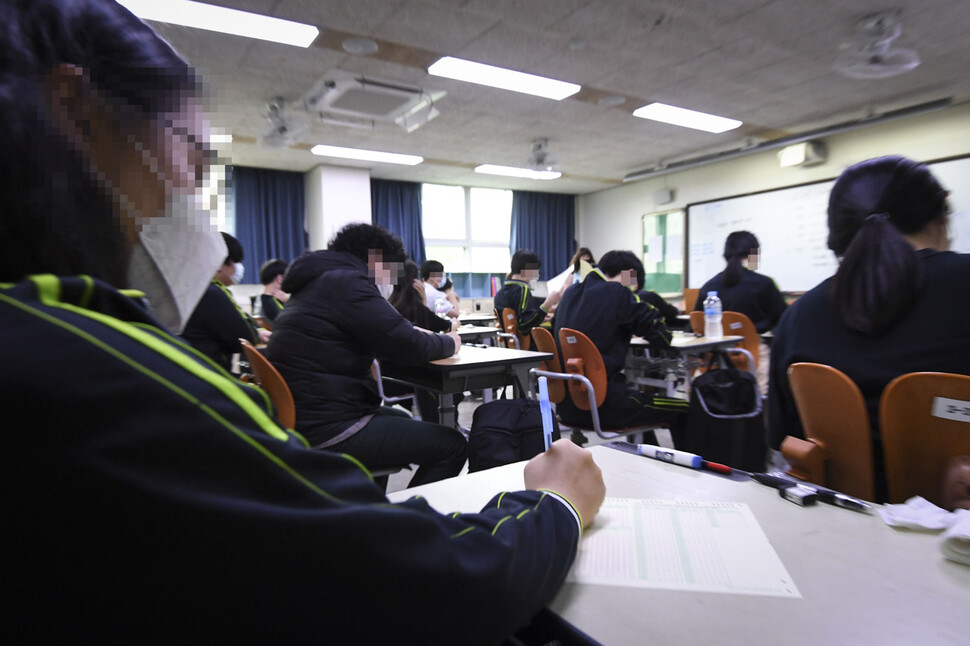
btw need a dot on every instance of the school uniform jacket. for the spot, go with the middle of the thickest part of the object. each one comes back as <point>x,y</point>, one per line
<point>754,295</point>
<point>610,314</point>
<point>217,324</point>
<point>152,498</point>
<point>270,306</point>
<point>517,295</point>
<point>326,338</point>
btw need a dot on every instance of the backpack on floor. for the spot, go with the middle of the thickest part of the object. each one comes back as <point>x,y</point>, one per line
<point>725,422</point>
<point>506,431</point>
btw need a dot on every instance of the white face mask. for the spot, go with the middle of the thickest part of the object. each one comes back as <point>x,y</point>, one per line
<point>237,276</point>
<point>174,258</point>
<point>385,290</point>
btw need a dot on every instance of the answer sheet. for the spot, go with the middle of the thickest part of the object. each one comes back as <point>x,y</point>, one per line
<point>681,545</point>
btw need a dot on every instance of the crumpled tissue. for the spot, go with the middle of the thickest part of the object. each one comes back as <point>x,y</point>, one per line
<point>919,513</point>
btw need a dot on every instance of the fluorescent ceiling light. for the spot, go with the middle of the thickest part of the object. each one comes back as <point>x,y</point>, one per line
<point>216,137</point>
<point>227,21</point>
<point>461,70</point>
<point>686,118</point>
<point>366,155</point>
<point>511,171</point>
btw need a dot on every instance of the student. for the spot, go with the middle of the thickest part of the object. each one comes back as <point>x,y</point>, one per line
<point>273,297</point>
<point>516,293</point>
<point>336,323</point>
<point>899,302</point>
<point>410,303</point>
<point>433,276</point>
<point>217,324</point>
<point>604,308</point>
<point>583,253</point>
<point>740,288</point>
<point>165,504</point>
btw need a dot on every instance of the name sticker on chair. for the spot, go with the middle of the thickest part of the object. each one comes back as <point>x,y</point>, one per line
<point>955,409</point>
<point>570,339</point>
<point>735,326</point>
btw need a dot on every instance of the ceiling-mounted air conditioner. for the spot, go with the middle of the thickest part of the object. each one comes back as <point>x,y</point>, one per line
<point>349,95</point>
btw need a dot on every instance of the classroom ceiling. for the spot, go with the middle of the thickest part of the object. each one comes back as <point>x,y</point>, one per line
<point>768,63</point>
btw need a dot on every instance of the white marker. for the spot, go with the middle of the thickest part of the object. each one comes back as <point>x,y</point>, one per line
<point>673,456</point>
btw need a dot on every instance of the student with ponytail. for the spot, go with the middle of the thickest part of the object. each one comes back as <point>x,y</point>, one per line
<point>740,288</point>
<point>899,302</point>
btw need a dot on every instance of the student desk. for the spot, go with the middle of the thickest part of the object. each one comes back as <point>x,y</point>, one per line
<point>473,368</point>
<point>477,333</point>
<point>861,581</point>
<point>683,346</point>
<point>476,319</point>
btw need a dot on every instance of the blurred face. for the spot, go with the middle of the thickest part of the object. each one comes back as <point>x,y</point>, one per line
<point>530,274</point>
<point>384,274</point>
<point>754,259</point>
<point>437,279</point>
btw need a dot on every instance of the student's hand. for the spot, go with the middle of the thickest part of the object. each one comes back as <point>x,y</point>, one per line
<point>454,325</point>
<point>264,335</point>
<point>569,471</point>
<point>419,288</point>
<point>454,335</point>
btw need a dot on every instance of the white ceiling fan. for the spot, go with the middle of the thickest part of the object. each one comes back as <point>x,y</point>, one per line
<point>871,55</point>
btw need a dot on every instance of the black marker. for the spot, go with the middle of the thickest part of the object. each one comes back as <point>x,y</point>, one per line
<point>825,495</point>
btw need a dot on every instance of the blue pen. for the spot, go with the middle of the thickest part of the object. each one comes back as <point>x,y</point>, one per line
<point>546,410</point>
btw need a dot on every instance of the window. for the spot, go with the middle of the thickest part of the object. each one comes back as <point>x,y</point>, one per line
<point>467,230</point>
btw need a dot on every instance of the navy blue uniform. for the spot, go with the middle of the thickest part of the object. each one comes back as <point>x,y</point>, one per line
<point>152,498</point>
<point>270,306</point>
<point>754,295</point>
<point>610,314</point>
<point>216,325</point>
<point>517,295</point>
<point>933,336</point>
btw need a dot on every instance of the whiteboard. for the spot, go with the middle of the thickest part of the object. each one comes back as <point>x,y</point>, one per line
<point>791,225</point>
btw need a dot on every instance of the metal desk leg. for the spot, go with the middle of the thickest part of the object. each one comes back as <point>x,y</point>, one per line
<point>447,414</point>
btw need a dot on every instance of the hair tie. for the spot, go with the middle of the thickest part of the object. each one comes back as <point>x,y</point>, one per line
<point>877,217</point>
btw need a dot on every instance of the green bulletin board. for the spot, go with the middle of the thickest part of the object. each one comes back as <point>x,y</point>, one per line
<point>663,251</point>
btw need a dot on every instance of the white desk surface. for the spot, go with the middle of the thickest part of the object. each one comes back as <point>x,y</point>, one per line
<point>471,355</point>
<point>689,341</point>
<point>478,317</point>
<point>477,330</point>
<point>861,581</point>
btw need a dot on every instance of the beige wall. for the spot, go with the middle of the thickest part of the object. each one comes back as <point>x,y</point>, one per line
<point>611,219</point>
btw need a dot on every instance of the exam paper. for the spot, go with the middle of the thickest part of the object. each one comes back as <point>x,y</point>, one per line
<point>681,545</point>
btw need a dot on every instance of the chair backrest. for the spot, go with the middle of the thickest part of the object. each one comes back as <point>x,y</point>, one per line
<point>510,325</point>
<point>375,373</point>
<point>697,322</point>
<point>834,417</point>
<point>690,298</point>
<point>921,431</point>
<point>582,357</point>
<point>738,323</point>
<point>270,380</point>
<point>546,343</point>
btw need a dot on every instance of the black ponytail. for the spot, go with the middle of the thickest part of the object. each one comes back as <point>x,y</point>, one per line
<point>872,206</point>
<point>737,247</point>
<point>877,279</point>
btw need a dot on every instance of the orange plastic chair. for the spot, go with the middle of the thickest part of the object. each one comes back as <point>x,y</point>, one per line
<point>546,343</point>
<point>837,450</point>
<point>697,322</point>
<point>510,325</point>
<point>921,432</point>
<point>690,298</point>
<point>585,377</point>
<point>269,379</point>
<point>738,323</point>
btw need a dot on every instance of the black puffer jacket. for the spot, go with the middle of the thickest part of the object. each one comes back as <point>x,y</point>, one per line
<point>326,337</point>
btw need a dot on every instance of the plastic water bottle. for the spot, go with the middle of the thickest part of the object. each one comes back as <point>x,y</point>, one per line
<point>712,317</point>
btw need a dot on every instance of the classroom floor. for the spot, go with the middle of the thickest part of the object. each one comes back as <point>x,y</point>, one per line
<point>399,480</point>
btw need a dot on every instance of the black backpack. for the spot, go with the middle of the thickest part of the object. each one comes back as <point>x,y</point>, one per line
<point>725,422</point>
<point>506,431</point>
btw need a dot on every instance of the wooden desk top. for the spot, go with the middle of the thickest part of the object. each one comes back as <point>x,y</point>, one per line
<point>861,581</point>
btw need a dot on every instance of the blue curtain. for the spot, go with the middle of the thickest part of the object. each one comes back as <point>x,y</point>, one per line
<point>396,206</point>
<point>269,216</point>
<point>545,223</point>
